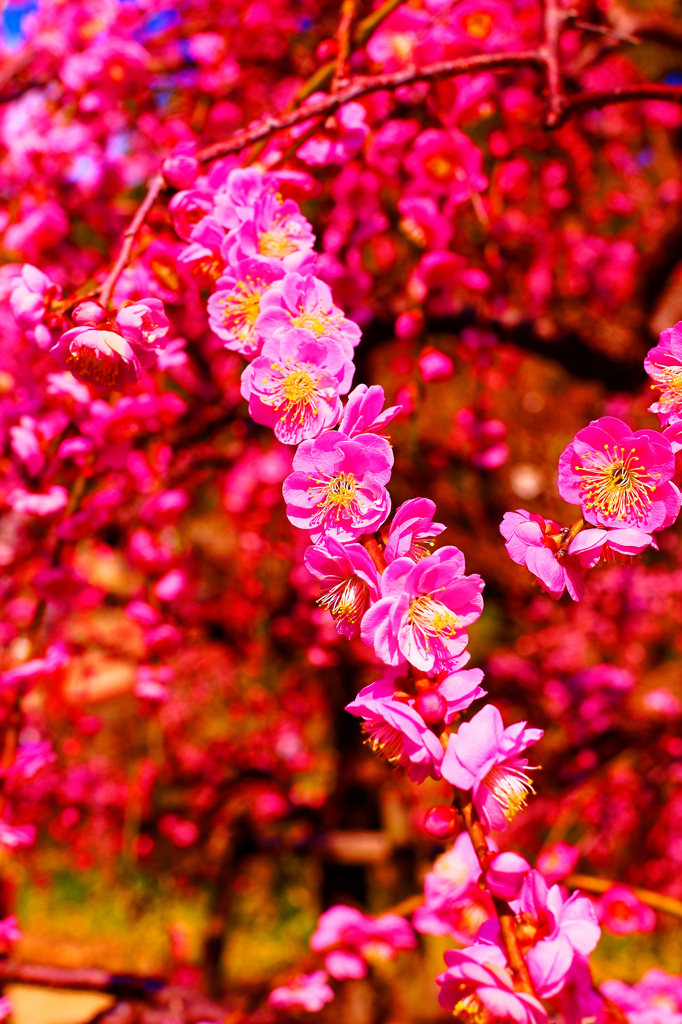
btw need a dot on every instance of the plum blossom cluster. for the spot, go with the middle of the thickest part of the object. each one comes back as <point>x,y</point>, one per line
<point>380,578</point>
<point>623,482</point>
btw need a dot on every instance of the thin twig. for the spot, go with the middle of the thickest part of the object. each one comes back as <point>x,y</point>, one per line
<point>554,20</point>
<point>655,900</point>
<point>606,30</point>
<point>343,42</point>
<point>154,187</point>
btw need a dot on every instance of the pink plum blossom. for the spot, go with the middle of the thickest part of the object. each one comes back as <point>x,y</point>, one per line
<point>558,861</point>
<point>347,129</point>
<point>454,904</point>
<point>655,999</point>
<point>299,300</point>
<point>482,25</point>
<point>554,931</point>
<point>412,530</point>
<point>295,383</point>
<point>234,307</point>
<point>397,732</point>
<point>622,913</point>
<point>361,938</point>
<point>309,991</point>
<point>435,366</point>
<point>364,411</point>
<point>189,207</point>
<point>620,478</point>
<point>483,756</point>
<point>337,487</point>
<point>446,163</point>
<point>98,356</point>
<point>593,546</point>
<point>30,299</point>
<point>537,543</point>
<point>144,325</point>
<point>54,500</point>
<point>663,363</point>
<point>349,581</point>
<point>424,611</point>
<point>276,230</point>
<point>477,985</point>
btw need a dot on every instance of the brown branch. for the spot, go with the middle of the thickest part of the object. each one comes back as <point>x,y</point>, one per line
<point>156,184</point>
<point>363,85</point>
<point>505,914</point>
<point>343,42</point>
<point>595,99</point>
<point>554,20</point>
<point>655,900</point>
<point>89,979</point>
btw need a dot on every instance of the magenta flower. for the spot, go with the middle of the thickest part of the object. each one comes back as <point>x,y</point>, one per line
<point>98,356</point>
<point>144,325</point>
<point>424,611</point>
<point>477,986</point>
<point>337,486</point>
<point>235,305</point>
<point>622,913</point>
<point>396,732</point>
<point>364,411</point>
<point>620,478</point>
<point>295,383</point>
<point>558,861</point>
<point>655,999</point>
<point>300,300</point>
<point>482,25</point>
<point>446,163</point>
<point>412,530</point>
<point>536,543</point>
<point>348,578</point>
<point>361,938</point>
<point>483,756</point>
<point>276,230</point>
<point>310,991</point>
<point>454,904</point>
<point>556,929</point>
<point>664,365</point>
<point>31,296</point>
<point>593,546</point>
<point>188,208</point>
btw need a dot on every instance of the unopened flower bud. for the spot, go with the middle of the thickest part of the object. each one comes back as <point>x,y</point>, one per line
<point>181,168</point>
<point>431,706</point>
<point>88,312</point>
<point>504,878</point>
<point>435,366</point>
<point>441,822</point>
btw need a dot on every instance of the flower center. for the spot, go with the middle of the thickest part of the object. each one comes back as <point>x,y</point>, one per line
<point>346,600</point>
<point>432,617</point>
<point>341,491</point>
<point>510,787</point>
<point>413,231</point>
<point>315,322</point>
<point>242,306</point>
<point>470,1009</point>
<point>440,168</point>
<point>297,387</point>
<point>669,382</point>
<point>386,742</point>
<point>403,44</point>
<point>478,25</point>
<point>612,483</point>
<point>279,240</point>
<point>86,363</point>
